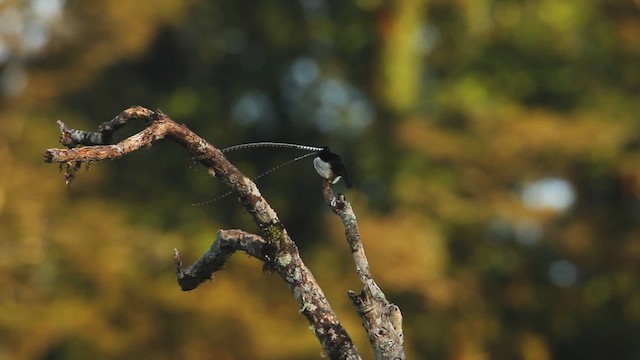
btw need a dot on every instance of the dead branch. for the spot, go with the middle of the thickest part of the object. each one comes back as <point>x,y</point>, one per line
<point>225,245</point>
<point>381,319</point>
<point>276,249</point>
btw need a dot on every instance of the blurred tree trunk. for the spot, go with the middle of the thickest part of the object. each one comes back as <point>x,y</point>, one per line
<point>399,75</point>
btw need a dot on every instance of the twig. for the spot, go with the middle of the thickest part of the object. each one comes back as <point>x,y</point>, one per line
<point>225,245</point>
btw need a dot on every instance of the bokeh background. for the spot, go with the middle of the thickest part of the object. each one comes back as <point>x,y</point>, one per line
<point>494,146</point>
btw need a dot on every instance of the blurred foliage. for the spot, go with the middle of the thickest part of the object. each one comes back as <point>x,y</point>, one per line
<point>494,144</point>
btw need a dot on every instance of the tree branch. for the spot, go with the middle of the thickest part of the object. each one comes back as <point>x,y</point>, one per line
<point>381,319</point>
<point>225,245</point>
<point>278,252</point>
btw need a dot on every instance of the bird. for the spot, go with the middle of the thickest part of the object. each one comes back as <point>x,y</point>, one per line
<point>329,166</point>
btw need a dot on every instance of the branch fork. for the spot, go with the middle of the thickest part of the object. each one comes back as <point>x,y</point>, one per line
<point>274,248</point>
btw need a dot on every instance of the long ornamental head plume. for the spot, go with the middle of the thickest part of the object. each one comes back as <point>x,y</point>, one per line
<point>272,144</point>
<point>327,164</point>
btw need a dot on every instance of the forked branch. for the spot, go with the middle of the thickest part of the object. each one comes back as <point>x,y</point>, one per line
<point>275,248</point>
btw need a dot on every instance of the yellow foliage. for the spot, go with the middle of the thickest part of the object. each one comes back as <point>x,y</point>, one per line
<point>407,253</point>
<point>534,347</point>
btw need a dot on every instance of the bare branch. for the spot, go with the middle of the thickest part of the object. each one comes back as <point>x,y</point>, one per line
<point>225,245</point>
<point>278,252</point>
<point>381,319</point>
<point>71,137</point>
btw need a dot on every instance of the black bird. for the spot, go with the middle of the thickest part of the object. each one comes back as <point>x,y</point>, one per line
<point>329,166</point>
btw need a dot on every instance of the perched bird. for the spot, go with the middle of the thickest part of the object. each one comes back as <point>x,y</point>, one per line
<point>329,166</point>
